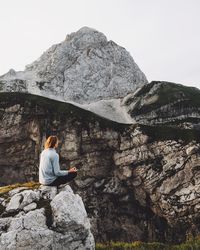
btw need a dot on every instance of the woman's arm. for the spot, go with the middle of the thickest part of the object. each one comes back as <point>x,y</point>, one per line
<point>56,167</point>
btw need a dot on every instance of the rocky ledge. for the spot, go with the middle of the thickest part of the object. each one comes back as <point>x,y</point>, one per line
<point>44,218</point>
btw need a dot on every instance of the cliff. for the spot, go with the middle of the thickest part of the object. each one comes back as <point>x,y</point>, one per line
<point>137,181</point>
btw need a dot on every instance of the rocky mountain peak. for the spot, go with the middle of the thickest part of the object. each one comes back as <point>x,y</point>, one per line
<point>84,68</point>
<point>87,37</point>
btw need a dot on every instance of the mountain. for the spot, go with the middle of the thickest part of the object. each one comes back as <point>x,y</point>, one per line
<point>85,69</point>
<point>136,145</point>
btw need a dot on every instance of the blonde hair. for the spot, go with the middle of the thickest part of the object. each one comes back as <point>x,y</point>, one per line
<point>51,141</point>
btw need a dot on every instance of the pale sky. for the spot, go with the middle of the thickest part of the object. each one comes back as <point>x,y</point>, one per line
<point>163,36</point>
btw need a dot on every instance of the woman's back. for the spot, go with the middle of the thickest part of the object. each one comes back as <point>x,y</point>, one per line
<point>49,168</point>
<point>46,168</point>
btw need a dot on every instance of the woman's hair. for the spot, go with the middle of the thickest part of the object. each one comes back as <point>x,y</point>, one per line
<point>51,141</point>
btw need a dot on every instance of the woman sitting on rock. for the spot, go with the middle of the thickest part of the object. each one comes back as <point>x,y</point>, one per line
<point>49,169</point>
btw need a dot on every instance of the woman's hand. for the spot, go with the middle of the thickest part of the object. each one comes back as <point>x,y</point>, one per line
<point>73,169</point>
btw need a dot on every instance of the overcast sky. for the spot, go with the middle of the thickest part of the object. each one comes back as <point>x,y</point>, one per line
<point>163,36</point>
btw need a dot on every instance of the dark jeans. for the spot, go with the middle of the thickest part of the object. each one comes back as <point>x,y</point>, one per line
<point>63,179</point>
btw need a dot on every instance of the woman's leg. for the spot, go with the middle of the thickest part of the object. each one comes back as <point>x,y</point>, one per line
<point>63,179</point>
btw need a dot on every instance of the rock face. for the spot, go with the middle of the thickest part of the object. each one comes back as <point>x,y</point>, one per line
<point>44,218</point>
<point>165,103</point>
<point>84,68</point>
<point>138,182</point>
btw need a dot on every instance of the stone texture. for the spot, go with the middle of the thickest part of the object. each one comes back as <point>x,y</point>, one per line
<point>52,222</point>
<point>138,182</point>
<point>160,103</point>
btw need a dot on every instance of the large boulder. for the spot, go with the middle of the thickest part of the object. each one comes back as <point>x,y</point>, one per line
<point>44,218</point>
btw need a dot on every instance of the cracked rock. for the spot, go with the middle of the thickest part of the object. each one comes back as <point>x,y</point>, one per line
<point>33,231</point>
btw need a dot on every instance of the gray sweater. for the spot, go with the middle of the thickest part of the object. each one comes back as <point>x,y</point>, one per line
<point>49,168</point>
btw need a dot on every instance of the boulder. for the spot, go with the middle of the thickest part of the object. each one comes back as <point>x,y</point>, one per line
<point>44,218</point>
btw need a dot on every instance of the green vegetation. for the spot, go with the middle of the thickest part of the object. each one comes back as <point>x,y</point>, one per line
<point>168,93</point>
<point>137,245</point>
<point>191,244</point>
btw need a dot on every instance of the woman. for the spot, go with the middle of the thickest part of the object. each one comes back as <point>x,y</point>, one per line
<point>49,169</point>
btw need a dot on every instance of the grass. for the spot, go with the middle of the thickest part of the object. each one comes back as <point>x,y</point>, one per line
<point>137,245</point>
<point>191,244</point>
<point>29,185</point>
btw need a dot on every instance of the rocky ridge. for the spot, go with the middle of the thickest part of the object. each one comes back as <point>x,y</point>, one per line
<point>44,218</point>
<point>164,103</point>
